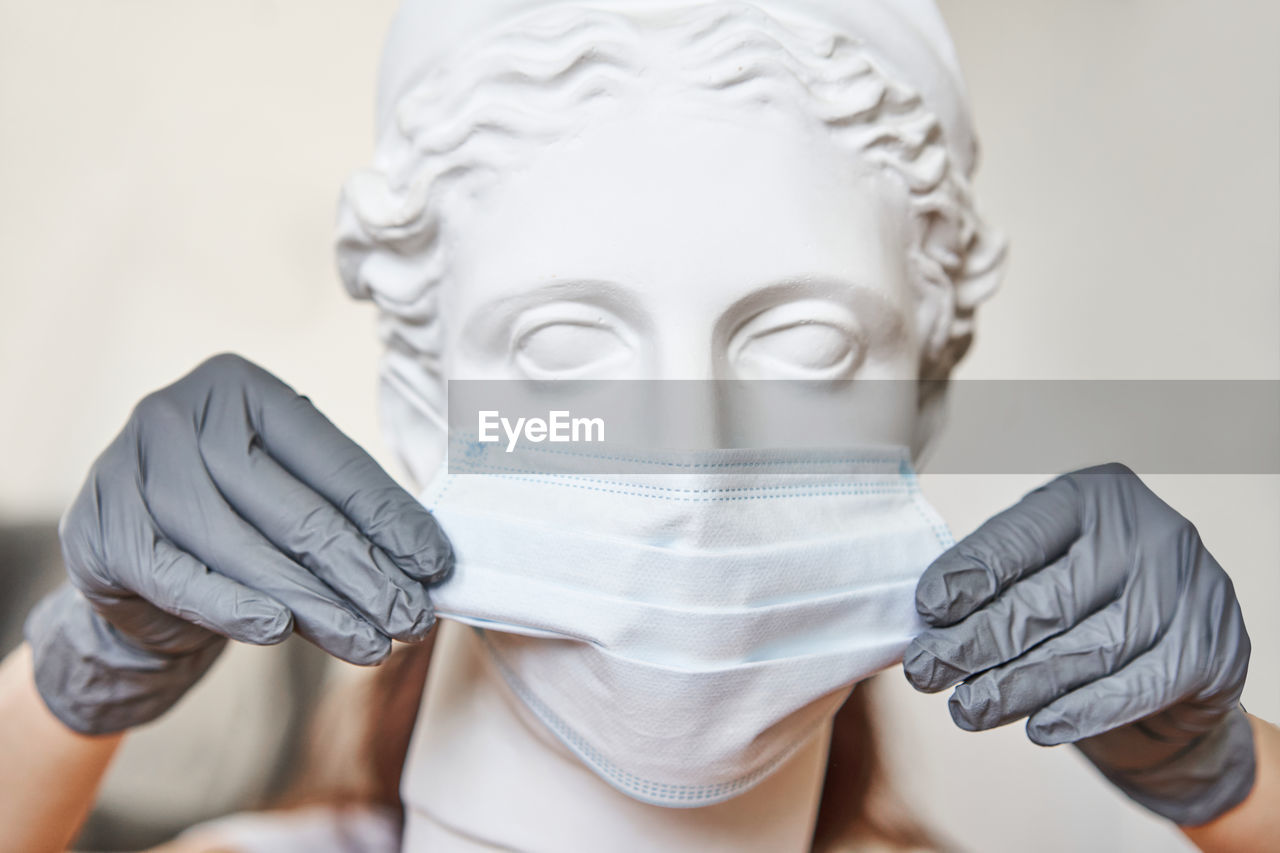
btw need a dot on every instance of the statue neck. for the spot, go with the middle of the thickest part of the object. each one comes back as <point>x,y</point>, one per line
<point>482,772</point>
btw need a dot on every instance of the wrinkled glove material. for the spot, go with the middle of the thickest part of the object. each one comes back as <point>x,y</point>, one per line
<point>1094,609</point>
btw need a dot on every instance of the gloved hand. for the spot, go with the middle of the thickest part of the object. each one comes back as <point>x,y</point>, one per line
<point>1093,607</point>
<point>228,507</point>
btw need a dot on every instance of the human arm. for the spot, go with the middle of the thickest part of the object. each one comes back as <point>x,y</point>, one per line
<point>49,774</point>
<point>1254,824</point>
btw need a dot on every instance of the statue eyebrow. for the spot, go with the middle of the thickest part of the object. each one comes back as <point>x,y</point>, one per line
<point>496,316</point>
<point>885,319</point>
<point>607,294</point>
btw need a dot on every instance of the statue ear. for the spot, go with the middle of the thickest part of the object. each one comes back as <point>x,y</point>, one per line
<point>984,264</point>
<point>416,437</point>
<point>418,444</point>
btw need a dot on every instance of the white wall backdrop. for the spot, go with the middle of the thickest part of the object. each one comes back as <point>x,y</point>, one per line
<point>168,172</point>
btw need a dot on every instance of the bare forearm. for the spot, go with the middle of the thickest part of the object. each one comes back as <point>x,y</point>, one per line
<point>1254,825</point>
<point>48,773</point>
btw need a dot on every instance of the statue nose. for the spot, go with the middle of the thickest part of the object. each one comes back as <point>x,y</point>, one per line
<point>683,413</point>
<point>681,395</point>
<point>684,353</point>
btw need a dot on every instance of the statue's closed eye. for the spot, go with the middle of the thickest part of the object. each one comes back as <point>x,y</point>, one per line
<point>807,339</point>
<point>569,348</point>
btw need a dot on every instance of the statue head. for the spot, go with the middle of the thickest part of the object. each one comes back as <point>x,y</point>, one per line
<point>712,189</point>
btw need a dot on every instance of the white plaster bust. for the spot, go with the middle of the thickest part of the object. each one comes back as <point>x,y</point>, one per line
<point>664,191</point>
<point>652,190</point>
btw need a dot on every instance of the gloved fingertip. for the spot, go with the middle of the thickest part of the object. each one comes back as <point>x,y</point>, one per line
<point>976,706</point>
<point>373,654</point>
<point>441,564</point>
<point>432,561</point>
<point>931,600</point>
<point>437,558</point>
<point>1049,728</point>
<point>959,716</point>
<point>363,646</point>
<point>421,627</point>
<point>381,656</point>
<point>952,588</point>
<point>926,672</point>
<point>260,621</point>
<point>403,609</point>
<point>275,627</point>
<point>376,651</point>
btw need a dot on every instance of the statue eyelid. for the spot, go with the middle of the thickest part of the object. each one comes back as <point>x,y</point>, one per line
<point>556,314</point>
<point>590,337</point>
<point>799,348</point>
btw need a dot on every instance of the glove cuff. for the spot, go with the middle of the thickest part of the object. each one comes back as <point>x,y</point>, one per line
<point>92,679</point>
<point>1208,778</point>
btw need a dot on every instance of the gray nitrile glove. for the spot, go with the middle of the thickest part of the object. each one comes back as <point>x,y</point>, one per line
<point>1092,607</point>
<point>227,507</point>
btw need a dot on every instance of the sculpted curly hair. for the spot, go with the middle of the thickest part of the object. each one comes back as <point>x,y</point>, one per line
<point>555,71</point>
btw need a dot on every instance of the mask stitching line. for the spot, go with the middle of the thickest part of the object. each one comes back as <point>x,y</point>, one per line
<point>505,472</point>
<point>719,494</point>
<point>887,457</point>
<point>935,522</point>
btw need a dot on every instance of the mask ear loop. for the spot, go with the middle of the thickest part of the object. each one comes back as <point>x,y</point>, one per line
<point>422,447</point>
<point>414,398</point>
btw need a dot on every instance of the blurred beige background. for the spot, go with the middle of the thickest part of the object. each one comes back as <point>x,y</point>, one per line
<point>169,170</point>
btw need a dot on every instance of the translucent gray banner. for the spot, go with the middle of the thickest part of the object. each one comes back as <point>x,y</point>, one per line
<point>960,427</point>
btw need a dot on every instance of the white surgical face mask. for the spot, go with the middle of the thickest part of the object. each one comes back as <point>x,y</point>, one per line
<point>683,627</point>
